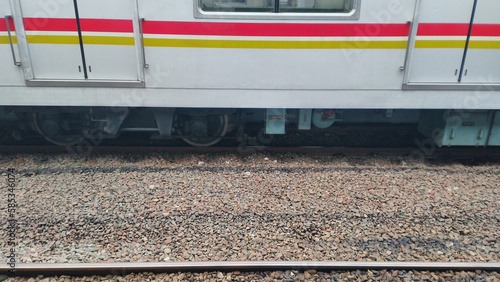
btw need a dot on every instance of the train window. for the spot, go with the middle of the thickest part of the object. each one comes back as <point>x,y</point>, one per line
<point>237,5</point>
<point>348,9</point>
<point>316,6</point>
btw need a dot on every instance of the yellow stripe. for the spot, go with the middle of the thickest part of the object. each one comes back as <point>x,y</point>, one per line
<point>484,44</point>
<point>5,40</point>
<point>251,44</point>
<point>52,39</point>
<point>64,39</point>
<point>109,40</point>
<point>440,44</point>
<point>199,43</point>
<point>474,44</point>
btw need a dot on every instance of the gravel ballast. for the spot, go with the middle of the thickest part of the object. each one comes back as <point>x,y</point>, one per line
<point>167,207</point>
<point>290,275</point>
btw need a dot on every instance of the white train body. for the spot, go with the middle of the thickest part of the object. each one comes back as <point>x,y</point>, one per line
<point>268,54</point>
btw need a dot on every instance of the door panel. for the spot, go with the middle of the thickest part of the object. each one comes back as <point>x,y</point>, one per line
<point>482,63</point>
<point>108,37</point>
<point>52,39</point>
<point>440,43</point>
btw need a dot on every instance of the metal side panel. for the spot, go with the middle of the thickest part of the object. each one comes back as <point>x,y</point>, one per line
<point>495,131</point>
<point>456,128</point>
<point>467,129</point>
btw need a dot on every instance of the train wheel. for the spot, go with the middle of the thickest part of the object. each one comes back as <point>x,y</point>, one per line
<point>323,118</point>
<point>65,129</point>
<point>206,131</point>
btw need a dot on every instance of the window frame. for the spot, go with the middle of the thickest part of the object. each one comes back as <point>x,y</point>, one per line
<point>200,14</point>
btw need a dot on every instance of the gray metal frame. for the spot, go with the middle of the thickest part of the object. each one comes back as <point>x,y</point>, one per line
<point>411,42</point>
<point>85,83</point>
<point>22,42</point>
<point>11,42</point>
<point>353,15</point>
<point>451,86</point>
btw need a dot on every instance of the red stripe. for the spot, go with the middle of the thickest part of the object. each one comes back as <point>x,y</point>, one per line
<point>274,29</point>
<point>46,24</point>
<point>442,29</point>
<point>453,29</point>
<point>256,29</point>
<point>90,25</point>
<point>486,30</point>
<point>107,25</point>
<point>3,26</point>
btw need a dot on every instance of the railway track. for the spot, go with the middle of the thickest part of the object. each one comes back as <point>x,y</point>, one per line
<point>85,269</point>
<point>40,175</point>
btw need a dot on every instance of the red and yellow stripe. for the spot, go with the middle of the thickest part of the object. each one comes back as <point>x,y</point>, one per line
<point>257,35</point>
<point>483,36</point>
<point>219,35</point>
<point>275,35</point>
<point>38,31</point>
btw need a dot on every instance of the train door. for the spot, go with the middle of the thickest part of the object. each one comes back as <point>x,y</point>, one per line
<point>482,61</point>
<point>51,49</point>
<point>79,42</point>
<point>111,52</point>
<point>439,40</point>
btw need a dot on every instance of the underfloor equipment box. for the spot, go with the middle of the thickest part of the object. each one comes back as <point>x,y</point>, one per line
<point>456,127</point>
<point>495,131</point>
<point>275,121</point>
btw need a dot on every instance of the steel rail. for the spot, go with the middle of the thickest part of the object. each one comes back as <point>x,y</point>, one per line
<point>226,266</point>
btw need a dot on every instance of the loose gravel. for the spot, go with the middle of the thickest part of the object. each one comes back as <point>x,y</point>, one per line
<point>290,275</point>
<point>168,207</point>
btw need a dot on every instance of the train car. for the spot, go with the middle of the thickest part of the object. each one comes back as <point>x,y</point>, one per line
<point>196,69</point>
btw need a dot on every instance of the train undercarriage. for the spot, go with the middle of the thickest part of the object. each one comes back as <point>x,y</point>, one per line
<point>69,126</point>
